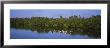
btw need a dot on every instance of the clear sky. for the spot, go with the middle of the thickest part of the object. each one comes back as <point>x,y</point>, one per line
<point>55,13</point>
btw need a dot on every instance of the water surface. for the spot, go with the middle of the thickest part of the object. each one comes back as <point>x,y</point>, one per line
<point>17,33</point>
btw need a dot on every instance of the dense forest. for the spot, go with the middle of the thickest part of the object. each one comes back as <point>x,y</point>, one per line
<point>91,25</point>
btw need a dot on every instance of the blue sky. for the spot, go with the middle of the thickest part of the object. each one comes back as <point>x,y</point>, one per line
<point>55,13</point>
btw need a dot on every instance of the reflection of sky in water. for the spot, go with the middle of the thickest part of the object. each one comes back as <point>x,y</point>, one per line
<point>55,13</point>
<point>28,34</point>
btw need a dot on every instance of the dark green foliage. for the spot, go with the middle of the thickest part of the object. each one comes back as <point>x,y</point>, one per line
<point>91,25</point>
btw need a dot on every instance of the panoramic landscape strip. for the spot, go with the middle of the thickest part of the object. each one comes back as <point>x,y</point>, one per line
<point>88,27</point>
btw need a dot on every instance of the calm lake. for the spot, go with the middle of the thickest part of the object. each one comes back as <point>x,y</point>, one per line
<point>18,33</point>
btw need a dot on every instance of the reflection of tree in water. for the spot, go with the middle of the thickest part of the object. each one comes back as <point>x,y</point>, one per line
<point>71,31</point>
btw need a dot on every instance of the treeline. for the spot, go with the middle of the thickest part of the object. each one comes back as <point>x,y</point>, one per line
<point>76,24</point>
<point>91,23</point>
